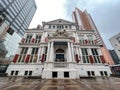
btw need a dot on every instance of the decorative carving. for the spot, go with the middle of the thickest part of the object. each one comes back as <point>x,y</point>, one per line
<point>60,33</point>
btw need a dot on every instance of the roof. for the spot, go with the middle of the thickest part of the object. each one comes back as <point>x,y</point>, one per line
<point>59,21</point>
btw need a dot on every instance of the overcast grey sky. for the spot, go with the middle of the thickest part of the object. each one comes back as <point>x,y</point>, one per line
<point>105,13</point>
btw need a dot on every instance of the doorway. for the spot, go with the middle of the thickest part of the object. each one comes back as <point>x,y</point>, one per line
<point>59,55</point>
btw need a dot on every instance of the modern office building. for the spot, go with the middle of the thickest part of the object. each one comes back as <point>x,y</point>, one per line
<point>18,15</point>
<point>59,50</point>
<point>3,50</point>
<point>85,22</point>
<point>3,28</point>
<point>114,56</point>
<point>115,41</point>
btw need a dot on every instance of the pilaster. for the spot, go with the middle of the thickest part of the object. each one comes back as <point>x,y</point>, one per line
<point>69,53</point>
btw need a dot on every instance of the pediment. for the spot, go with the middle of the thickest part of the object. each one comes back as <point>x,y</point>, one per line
<point>59,21</point>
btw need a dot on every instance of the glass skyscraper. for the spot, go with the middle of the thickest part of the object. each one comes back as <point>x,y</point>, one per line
<point>19,14</point>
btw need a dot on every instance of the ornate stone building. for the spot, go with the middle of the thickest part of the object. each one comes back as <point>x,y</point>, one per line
<point>59,49</point>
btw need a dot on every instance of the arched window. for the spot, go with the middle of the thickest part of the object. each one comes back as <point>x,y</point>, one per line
<point>59,55</point>
<point>59,51</point>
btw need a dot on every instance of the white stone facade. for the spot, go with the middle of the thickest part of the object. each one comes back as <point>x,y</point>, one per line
<point>59,50</point>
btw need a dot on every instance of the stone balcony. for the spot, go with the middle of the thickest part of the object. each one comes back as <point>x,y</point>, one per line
<point>60,64</point>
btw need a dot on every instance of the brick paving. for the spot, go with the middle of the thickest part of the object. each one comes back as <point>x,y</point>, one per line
<point>99,83</point>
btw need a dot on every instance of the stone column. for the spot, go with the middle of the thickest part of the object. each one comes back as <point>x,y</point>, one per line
<point>99,52</point>
<point>29,50</point>
<point>42,37</point>
<point>69,52</point>
<point>51,53</point>
<point>90,55</point>
<point>80,54</point>
<point>77,54</point>
<point>89,51</point>
<point>100,55</point>
<point>48,52</point>
<point>33,38</point>
<point>77,51</point>
<point>39,56</point>
<point>77,38</point>
<point>42,52</point>
<point>72,52</point>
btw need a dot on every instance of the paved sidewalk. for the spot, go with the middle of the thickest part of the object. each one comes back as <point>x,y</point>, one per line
<point>99,83</point>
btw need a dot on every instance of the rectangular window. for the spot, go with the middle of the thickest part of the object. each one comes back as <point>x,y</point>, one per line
<point>49,26</point>
<point>118,39</point>
<point>34,51</point>
<point>34,55</point>
<point>53,26</point>
<point>101,73</point>
<point>21,58</point>
<point>96,56</point>
<point>54,74</point>
<point>57,26</point>
<point>24,50</point>
<point>38,38</point>
<point>85,56</point>
<point>90,39</point>
<point>88,72</point>
<point>45,50</point>
<point>66,74</point>
<point>12,73</point>
<point>92,72</point>
<point>31,58</point>
<point>66,27</point>
<point>16,73</point>
<point>81,39</point>
<point>30,73</point>
<point>28,39</point>
<point>26,73</point>
<point>10,31</point>
<point>105,73</point>
<point>70,26</point>
<point>62,27</point>
<point>35,58</point>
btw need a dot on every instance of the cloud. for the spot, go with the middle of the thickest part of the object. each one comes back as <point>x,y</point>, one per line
<point>105,14</point>
<point>48,10</point>
<point>106,18</point>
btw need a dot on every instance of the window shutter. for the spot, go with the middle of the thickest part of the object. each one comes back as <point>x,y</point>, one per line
<point>15,58</point>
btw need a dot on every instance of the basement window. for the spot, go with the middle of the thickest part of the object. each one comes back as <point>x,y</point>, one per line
<point>12,72</point>
<point>66,74</point>
<point>93,74</point>
<point>105,72</point>
<point>54,74</point>
<point>101,73</point>
<point>16,73</point>
<point>88,72</point>
<point>26,72</point>
<point>30,73</point>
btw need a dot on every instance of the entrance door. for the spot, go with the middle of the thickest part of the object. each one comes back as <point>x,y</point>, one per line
<point>54,74</point>
<point>59,55</point>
